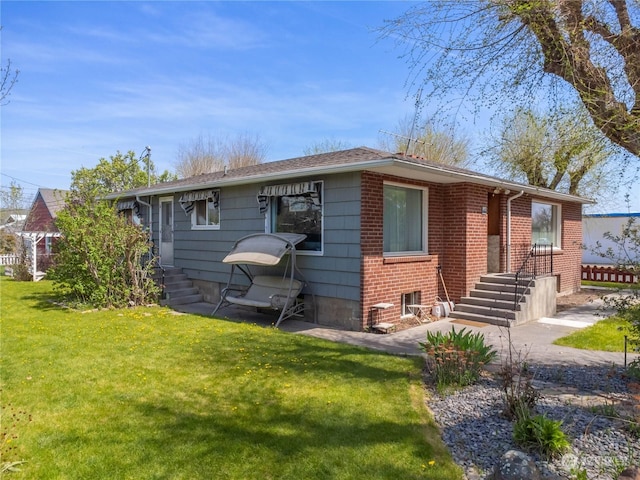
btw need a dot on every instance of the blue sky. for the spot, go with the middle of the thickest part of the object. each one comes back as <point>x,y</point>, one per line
<point>98,77</point>
<point>101,77</point>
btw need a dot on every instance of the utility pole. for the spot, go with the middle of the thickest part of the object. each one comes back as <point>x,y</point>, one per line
<point>146,154</point>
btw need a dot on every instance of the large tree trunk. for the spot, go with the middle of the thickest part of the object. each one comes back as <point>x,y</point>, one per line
<point>567,54</point>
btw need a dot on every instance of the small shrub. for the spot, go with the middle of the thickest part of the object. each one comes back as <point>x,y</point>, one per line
<point>541,434</point>
<point>456,358</point>
<point>520,396</point>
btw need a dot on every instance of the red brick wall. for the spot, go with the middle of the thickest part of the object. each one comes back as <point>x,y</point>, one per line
<point>386,279</point>
<point>567,260</point>
<point>569,263</point>
<point>464,256</point>
<point>457,240</point>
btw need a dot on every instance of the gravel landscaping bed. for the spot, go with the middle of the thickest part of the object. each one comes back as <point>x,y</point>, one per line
<point>478,434</point>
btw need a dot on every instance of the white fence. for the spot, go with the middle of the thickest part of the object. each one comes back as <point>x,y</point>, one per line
<point>10,259</point>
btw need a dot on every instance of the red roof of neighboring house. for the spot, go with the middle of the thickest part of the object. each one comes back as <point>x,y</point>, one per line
<point>44,210</point>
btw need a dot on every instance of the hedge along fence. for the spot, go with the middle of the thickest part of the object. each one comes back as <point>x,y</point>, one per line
<point>604,273</point>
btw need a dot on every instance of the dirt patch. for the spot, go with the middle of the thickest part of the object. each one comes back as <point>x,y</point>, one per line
<point>577,299</point>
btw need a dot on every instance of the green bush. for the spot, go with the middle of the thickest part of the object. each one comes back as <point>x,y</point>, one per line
<point>100,259</point>
<point>541,434</point>
<point>456,358</point>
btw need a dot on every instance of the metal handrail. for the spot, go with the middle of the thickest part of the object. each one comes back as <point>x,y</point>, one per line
<point>539,261</point>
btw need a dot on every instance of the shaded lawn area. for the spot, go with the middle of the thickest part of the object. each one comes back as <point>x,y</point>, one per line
<point>606,335</point>
<point>147,394</point>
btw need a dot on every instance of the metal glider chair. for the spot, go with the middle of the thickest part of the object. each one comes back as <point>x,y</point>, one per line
<point>277,292</point>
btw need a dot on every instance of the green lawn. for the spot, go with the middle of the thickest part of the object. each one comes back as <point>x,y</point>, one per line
<point>147,394</point>
<point>611,285</point>
<point>606,335</point>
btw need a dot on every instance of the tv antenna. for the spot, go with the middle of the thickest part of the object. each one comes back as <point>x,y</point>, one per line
<point>415,117</point>
<point>413,125</point>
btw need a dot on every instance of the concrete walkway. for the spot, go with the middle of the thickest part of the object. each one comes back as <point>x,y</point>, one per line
<point>532,340</point>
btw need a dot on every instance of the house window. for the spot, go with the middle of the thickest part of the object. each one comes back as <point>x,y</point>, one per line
<point>130,210</point>
<point>405,219</point>
<point>48,245</point>
<point>204,208</point>
<point>412,298</point>
<point>545,224</point>
<point>206,214</point>
<point>295,208</point>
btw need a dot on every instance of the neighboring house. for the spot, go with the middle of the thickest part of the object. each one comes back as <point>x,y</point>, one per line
<point>13,223</point>
<point>378,225</point>
<point>594,226</point>
<point>13,219</point>
<point>39,231</point>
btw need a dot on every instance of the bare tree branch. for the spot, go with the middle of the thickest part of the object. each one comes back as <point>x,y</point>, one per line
<point>497,52</point>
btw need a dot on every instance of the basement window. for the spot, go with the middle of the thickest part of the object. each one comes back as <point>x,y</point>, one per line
<point>412,298</point>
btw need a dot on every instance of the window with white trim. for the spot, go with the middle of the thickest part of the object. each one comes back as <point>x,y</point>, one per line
<point>295,208</point>
<point>206,214</point>
<point>411,298</point>
<point>404,219</point>
<point>204,208</point>
<point>545,224</point>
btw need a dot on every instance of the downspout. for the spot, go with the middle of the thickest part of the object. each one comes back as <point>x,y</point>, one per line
<point>517,195</point>
<point>150,208</point>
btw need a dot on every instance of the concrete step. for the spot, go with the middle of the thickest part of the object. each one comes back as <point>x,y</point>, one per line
<point>178,288</point>
<point>505,279</point>
<point>176,277</point>
<point>500,287</point>
<point>182,300</point>
<point>502,322</point>
<point>182,292</point>
<point>178,285</point>
<point>487,311</point>
<point>506,303</point>
<point>493,295</point>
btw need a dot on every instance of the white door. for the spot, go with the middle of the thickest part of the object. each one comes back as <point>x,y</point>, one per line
<point>166,231</point>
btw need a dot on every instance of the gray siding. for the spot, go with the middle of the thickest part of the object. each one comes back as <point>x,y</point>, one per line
<point>334,274</point>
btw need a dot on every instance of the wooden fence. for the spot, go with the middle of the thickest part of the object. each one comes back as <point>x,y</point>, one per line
<point>605,273</point>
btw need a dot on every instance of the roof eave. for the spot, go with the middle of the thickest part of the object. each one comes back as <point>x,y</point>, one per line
<point>379,164</point>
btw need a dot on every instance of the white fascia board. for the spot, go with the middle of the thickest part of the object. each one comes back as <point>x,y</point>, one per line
<point>373,165</point>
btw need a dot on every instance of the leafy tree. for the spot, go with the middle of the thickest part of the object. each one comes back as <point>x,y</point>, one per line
<point>210,154</point>
<point>12,199</point>
<point>561,152</point>
<point>120,172</point>
<point>327,145</point>
<point>498,52</point>
<point>438,143</point>
<point>99,259</point>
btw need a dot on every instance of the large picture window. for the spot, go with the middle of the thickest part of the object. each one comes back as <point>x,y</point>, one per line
<point>405,219</point>
<point>295,208</point>
<point>545,224</point>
